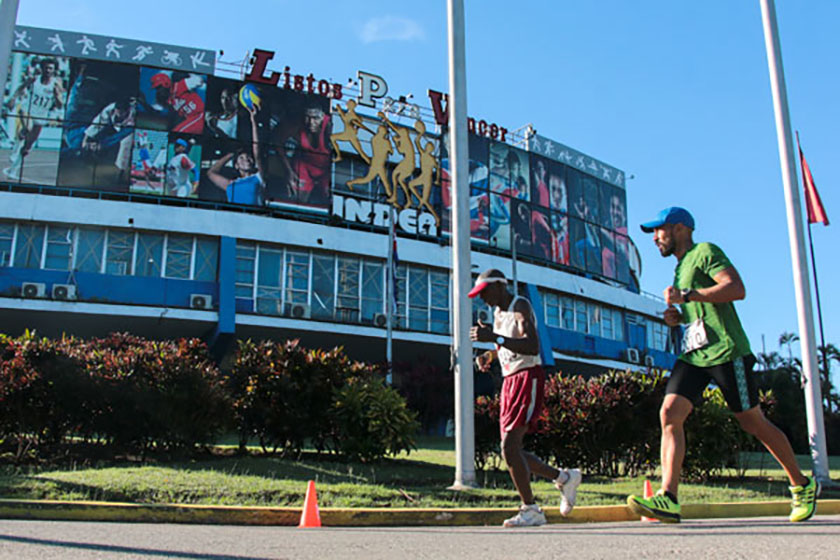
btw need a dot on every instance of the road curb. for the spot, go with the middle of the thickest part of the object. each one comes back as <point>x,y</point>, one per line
<point>361,517</point>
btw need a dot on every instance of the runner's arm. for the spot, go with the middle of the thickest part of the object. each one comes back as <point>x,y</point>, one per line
<point>728,288</point>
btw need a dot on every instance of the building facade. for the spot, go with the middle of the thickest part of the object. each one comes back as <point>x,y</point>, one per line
<point>145,191</point>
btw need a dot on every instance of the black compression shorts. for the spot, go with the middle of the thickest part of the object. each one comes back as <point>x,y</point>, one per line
<point>735,379</point>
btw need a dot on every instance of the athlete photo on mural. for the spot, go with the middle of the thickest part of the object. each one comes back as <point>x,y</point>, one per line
<point>31,118</point>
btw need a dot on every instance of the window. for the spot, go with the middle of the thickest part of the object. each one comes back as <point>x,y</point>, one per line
<point>297,277</point>
<point>149,257</point>
<point>657,335</point>
<point>178,256</point>
<point>246,262</point>
<point>618,325</point>
<point>270,281</point>
<point>581,316</point>
<point>347,306</point>
<point>552,309</point>
<point>59,252</point>
<point>418,299</point>
<point>206,259</point>
<point>323,286</point>
<point>607,323</point>
<point>400,296</point>
<point>7,238</point>
<point>89,246</point>
<point>119,252</point>
<point>373,290</point>
<point>439,304</point>
<point>594,318</point>
<point>29,245</point>
<point>568,313</point>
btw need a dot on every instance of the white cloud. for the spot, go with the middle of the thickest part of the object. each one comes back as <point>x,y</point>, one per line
<point>391,28</point>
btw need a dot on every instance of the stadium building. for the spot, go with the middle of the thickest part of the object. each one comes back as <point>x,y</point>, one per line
<point>150,188</point>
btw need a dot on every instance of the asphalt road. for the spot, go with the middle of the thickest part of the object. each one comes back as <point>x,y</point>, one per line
<point>770,537</point>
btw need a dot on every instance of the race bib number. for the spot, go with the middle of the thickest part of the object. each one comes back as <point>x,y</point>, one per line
<point>694,336</point>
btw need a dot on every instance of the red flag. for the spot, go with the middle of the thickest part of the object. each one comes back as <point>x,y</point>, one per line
<point>813,203</point>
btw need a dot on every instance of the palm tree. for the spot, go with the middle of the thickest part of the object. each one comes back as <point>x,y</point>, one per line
<point>769,360</point>
<point>787,339</point>
<point>827,354</point>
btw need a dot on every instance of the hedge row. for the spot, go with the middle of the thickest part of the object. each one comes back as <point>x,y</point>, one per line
<point>131,395</point>
<point>609,425</point>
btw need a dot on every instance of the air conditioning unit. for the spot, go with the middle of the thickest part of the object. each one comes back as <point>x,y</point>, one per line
<point>632,355</point>
<point>484,316</point>
<point>649,361</point>
<point>380,320</point>
<point>33,290</point>
<point>201,301</point>
<point>300,311</point>
<point>65,292</point>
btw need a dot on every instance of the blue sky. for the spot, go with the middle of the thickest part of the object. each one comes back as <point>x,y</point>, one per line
<point>677,94</point>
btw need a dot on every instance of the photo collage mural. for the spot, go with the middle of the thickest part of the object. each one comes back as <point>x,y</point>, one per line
<point>149,130</point>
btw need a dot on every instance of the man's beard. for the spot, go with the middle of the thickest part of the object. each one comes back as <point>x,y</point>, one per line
<point>666,250</point>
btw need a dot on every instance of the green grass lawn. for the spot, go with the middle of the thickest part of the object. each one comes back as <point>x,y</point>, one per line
<point>416,480</point>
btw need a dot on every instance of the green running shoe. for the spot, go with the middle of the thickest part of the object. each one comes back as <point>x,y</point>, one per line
<point>660,506</point>
<point>804,503</point>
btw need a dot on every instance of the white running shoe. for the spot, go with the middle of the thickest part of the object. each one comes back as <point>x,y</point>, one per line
<point>12,173</point>
<point>569,489</point>
<point>528,516</point>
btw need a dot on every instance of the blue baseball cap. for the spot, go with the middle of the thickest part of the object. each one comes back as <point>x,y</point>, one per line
<point>181,142</point>
<point>671,215</point>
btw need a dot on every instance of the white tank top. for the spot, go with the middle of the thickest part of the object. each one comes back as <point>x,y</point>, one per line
<point>42,97</point>
<point>504,324</point>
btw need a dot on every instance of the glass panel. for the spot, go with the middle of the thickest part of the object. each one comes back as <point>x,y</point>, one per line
<point>149,254</point>
<point>400,294</point>
<point>269,281</point>
<point>418,295</point>
<point>59,248</point>
<point>618,325</point>
<point>594,319</point>
<point>607,323</point>
<point>120,250</point>
<point>30,243</point>
<point>89,249</point>
<point>347,308</point>
<point>7,235</point>
<point>178,256</point>
<point>568,313</point>
<point>439,312</point>
<point>323,286</point>
<point>246,255</point>
<point>297,277</point>
<point>581,316</point>
<point>206,259</point>
<point>373,288</point>
<point>552,310</point>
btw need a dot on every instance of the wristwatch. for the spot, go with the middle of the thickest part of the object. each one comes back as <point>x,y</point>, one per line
<point>500,340</point>
<point>686,293</point>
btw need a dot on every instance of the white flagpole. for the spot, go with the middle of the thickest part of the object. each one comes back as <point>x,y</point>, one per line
<point>391,305</point>
<point>813,397</point>
<point>461,272</point>
<point>8,17</point>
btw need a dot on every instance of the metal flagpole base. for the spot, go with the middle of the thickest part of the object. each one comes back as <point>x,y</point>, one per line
<point>463,486</point>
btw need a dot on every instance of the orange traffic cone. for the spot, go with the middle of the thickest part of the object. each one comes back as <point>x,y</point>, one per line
<point>648,494</point>
<point>310,517</point>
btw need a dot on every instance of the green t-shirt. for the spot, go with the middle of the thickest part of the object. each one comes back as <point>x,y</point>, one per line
<point>727,339</point>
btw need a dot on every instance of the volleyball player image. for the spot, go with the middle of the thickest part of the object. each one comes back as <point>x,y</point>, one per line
<point>39,101</point>
<point>248,186</point>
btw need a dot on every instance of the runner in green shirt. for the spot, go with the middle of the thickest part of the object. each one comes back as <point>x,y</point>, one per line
<point>714,348</point>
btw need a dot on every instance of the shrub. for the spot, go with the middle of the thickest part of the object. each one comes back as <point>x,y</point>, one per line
<point>128,392</point>
<point>370,420</point>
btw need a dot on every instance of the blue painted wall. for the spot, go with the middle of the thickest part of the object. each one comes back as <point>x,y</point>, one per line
<point>104,288</point>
